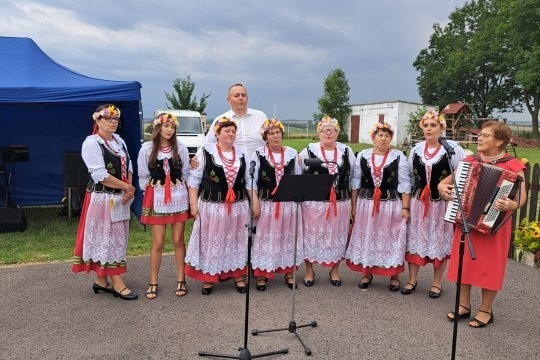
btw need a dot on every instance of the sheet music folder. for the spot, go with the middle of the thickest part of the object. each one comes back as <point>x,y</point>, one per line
<point>299,188</point>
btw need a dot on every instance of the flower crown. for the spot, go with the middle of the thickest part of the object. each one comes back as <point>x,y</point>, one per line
<point>270,123</point>
<point>435,116</point>
<point>221,121</point>
<point>108,112</point>
<point>327,121</point>
<point>378,126</point>
<point>164,118</point>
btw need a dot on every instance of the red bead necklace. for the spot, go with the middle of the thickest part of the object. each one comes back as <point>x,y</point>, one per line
<point>331,166</point>
<point>428,155</point>
<point>377,170</point>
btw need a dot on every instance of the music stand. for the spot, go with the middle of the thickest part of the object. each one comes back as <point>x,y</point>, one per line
<point>245,354</point>
<point>293,188</point>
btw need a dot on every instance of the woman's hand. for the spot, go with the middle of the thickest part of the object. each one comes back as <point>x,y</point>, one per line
<point>406,214</point>
<point>194,208</point>
<point>505,204</point>
<point>194,162</point>
<point>446,191</point>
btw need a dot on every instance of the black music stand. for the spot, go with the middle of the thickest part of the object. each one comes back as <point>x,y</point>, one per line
<point>300,188</point>
<point>464,233</point>
<point>245,354</point>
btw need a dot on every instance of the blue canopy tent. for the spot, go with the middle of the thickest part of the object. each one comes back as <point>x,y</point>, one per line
<point>49,108</point>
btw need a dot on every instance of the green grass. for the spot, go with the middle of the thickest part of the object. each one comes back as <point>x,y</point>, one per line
<point>50,237</point>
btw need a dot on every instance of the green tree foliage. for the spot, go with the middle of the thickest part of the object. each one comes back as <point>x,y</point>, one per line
<point>487,56</point>
<point>335,100</point>
<point>413,126</point>
<point>518,24</point>
<point>463,63</point>
<point>183,98</point>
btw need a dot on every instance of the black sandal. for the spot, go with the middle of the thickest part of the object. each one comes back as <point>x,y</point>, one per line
<point>394,287</point>
<point>289,280</point>
<point>433,294</point>
<point>240,289</point>
<point>465,315</point>
<point>406,290</point>
<point>480,324</point>
<point>207,290</point>
<point>152,291</point>
<point>261,284</point>
<point>181,288</point>
<point>365,284</point>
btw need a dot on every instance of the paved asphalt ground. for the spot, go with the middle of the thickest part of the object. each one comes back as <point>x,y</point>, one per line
<point>46,312</point>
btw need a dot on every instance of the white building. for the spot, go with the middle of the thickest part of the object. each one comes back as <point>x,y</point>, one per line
<point>364,116</point>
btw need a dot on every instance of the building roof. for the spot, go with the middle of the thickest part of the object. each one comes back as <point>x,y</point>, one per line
<point>388,101</point>
<point>456,108</point>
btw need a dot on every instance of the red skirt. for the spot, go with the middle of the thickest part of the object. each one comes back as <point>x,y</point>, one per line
<point>376,270</point>
<point>79,265</point>
<point>206,277</point>
<point>149,217</point>
<point>270,274</point>
<point>423,261</point>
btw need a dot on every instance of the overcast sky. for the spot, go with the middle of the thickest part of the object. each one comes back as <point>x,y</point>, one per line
<point>281,49</point>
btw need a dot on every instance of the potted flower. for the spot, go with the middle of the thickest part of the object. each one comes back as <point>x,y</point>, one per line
<point>527,243</point>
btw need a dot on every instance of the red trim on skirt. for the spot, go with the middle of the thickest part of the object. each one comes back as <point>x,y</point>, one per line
<point>205,277</point>
<point>270,274</point>
<point>423,261</point>
<point>376,270</point>
<point>149,217</point>
<point>325,264</point>
<point>78,264</point>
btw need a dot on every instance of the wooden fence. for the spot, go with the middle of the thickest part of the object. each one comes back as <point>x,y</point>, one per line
<point>531,209</point>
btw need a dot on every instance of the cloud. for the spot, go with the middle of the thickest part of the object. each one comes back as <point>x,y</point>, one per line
<point>281,50</point>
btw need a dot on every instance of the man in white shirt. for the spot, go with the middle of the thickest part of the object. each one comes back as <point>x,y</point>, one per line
<point>248,121</point>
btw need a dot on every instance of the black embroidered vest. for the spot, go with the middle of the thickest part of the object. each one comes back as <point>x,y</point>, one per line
<point>439,171</point>
<point>266,177</point>
<point>389,181</point>
<point>343,191</point>
<point>113,164</point>
<point>213,187</point>
<point>157,173</point>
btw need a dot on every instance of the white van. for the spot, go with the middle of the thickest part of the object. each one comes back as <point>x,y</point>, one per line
<point>190,131</point>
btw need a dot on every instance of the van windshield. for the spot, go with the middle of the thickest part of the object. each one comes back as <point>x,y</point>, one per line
<point>189,125</point>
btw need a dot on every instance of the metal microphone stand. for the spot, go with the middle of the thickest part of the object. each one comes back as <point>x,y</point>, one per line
<point>464,233</point>
<point>245,354</point>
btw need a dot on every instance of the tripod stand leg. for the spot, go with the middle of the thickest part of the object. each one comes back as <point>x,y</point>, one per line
<point>292,323</point>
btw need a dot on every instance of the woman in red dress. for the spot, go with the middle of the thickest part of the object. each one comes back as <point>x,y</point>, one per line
<point>163,166</point>
<point>487,271</point>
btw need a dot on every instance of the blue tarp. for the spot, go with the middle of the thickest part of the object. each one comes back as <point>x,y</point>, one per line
<point>49,108</point>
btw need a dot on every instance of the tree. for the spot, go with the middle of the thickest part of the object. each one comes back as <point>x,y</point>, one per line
<point>519,27</point>
<point>487,56</point>
<point>182,97</point>
<point>335,100</point>
<point>465,63</point>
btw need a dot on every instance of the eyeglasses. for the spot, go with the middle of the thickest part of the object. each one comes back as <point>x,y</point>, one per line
<point>110,120</point>
<point>486,135</point>
<point>328,131</point>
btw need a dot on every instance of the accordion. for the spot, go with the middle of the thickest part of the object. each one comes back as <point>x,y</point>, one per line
<point>479,186</point>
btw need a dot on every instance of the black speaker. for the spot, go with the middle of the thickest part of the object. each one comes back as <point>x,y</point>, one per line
<point>75,170</point>
<point>12,219</point>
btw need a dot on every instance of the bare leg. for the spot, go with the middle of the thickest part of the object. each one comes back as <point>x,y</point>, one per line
<point>310,273</point>
<point>334,273</point>
<point>158,239</point>
<point>436,284</point>
<point>488,297</point>
<point>119,285</point>
<point>179,256</point>
<point>102,281</point>
<point>413,274</point>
